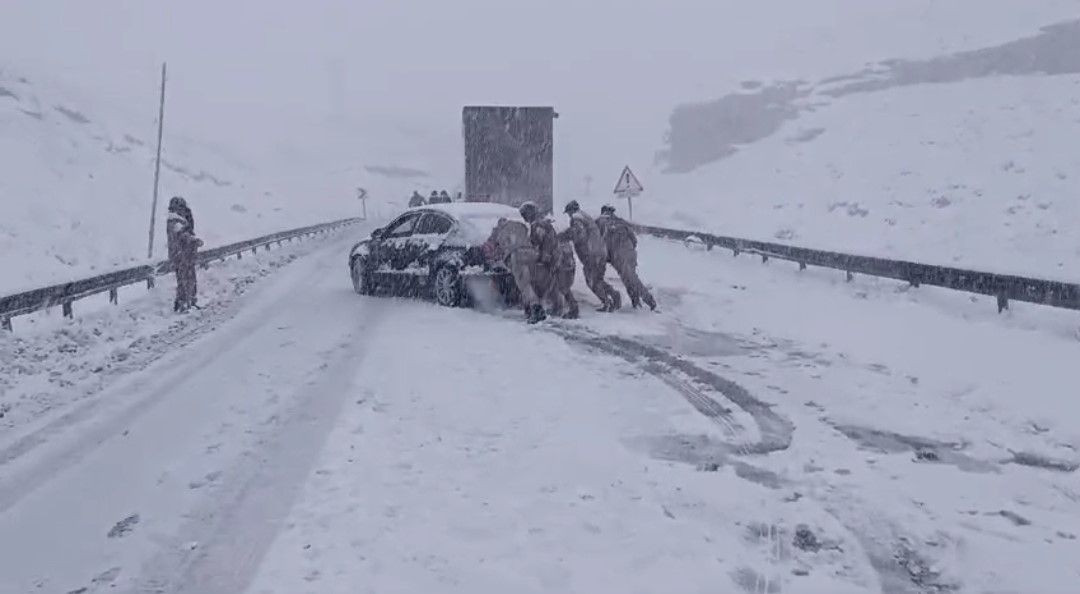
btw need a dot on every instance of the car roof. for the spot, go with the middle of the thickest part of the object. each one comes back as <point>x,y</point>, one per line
<point>474,220</point>
<point>470,210</point>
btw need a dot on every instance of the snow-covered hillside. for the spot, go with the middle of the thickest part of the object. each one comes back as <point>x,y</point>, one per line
<point>77,180</point>
<point>924,130</point>
<point>964,159</point>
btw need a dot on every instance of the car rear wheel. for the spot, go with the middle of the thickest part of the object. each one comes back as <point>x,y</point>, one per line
<point>448,287</point>
<point>361,280</point>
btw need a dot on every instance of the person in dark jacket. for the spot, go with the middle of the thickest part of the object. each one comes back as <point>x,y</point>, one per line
<point>185,211</point>
<point>444,198</point>
<point>433,198</point>
<point>416,199</point>
<point>621,244</point>
<point>183,246</point>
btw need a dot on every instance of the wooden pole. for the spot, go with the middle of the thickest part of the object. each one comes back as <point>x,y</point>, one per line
<point>157,164</point>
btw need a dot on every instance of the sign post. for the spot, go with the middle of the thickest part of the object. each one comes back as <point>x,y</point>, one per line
<point>361,195</point>
<point>627,187</point>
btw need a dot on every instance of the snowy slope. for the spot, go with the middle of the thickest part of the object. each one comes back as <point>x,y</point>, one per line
<point>77,181</point>
<point>767,121</point>
<point>963,159</point>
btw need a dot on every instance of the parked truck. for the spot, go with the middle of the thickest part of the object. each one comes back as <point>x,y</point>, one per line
<point>508,154</point>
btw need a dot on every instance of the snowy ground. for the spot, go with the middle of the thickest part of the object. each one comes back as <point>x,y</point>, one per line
<point>49,362</point>
<point>769,431</point>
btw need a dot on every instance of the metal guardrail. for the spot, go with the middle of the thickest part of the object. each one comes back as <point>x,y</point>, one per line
<point>1003,287</point>
<point>66,293</point>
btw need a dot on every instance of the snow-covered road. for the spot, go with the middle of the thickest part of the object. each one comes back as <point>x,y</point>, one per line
<point>174,448</point>
<point>770,431</point>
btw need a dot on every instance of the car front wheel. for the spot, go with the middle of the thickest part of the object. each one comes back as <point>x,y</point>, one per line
<point>448,287</point>
<point>361,280</point>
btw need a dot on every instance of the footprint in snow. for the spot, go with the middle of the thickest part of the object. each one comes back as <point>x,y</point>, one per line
<point>124,527</point>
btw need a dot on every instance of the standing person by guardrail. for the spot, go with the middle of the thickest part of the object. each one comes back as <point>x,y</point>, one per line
<point>183,246</point>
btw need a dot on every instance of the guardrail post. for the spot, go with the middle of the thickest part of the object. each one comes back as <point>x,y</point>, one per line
<point>850,276</point>
<point>802,265</point>
<point>764,258</point>
<point>113,297</point>
<point>735,252</point>
<point>149,282</point>
<point>66,308</point>
<point>1002,303</point>
<point>5,323</point>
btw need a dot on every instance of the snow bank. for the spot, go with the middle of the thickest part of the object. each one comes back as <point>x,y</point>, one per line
<point>962,159</point>
<point>50,362</point>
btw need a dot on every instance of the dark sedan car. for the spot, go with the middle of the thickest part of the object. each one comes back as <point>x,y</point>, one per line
<point>434,251</point>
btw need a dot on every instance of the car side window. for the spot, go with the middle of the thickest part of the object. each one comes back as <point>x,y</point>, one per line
<point>402,227</point>
<point>433,224</point>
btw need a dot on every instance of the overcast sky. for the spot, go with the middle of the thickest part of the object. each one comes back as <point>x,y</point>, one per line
<point>261,74</point>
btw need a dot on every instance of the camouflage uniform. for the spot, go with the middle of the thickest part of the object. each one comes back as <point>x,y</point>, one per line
<point>560,293</point>
<point>511,245</point>
<point>590,248</point>
<point>621,244</point>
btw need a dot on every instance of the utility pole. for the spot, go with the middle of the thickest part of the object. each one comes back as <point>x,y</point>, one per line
<point>157,163</point>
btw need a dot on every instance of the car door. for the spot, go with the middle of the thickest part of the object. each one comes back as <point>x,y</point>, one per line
<point>427,238</point>
<point>392,245</point>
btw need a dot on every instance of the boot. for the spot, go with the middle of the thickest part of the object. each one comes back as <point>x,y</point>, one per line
<point>650,301</point>
<point>536,314</point>
<point>571,313</point>
<point>616,300</point>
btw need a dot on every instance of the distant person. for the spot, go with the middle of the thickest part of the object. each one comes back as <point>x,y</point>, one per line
<point>416,200</point>
<point>621,245</point>
<point>440,198</point>
<point>183,247</point>
<point>457,197</point>
<point>434,198</point>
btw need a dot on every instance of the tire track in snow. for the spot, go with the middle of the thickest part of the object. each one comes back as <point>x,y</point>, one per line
<point>900,568</point>
<point>775,431</point>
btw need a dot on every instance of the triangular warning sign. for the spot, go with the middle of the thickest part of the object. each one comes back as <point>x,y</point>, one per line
<point>628,183</point>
